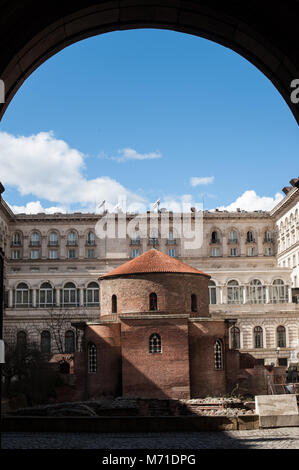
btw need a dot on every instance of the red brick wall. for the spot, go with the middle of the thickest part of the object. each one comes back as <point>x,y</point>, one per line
<point>204,379</point>
<point>107,380</point>
<point>164,375</point>
<point>173,291</point>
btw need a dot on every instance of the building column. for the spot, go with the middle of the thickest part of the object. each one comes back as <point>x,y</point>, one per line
<point>33,297</point>
<point>57,297</point>
<point>10,298</point>
<point>244,294</point>
<point>224,295</point>
<point>290,294</point>
<point>81,297</point>
<point>267,294</point>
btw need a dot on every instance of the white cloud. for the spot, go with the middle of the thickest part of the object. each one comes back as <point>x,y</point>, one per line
<point>35,207</point>
<point>197,181</point>
<point>48,168</point>
<point>180,203</point>
<point>250,201</point>
<point>131,154</point>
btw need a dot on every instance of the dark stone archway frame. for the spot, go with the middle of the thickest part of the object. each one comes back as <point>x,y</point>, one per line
<point>265,33</point>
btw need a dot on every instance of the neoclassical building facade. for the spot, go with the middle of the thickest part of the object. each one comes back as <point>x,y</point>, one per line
<point>53,264</point>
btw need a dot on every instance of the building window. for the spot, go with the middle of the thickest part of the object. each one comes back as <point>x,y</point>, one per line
<point>16,254</point>
<point>267,237</point>
<point>278,292</point>
<point>233,237</point>
<point>251,251</point>
<point>135,253</point>
<point>215,237</point>
<point>153,303</point>
<point>258,337</point>
<point>171,252</point>
<point>155,344</point>
<point>250,237</point>
<point>22,295</point>
<point>256,293</point>
<point>114,304</point>
<point>71,253</point>
<point>135,240</point>
<point>268,251</point>
<point>218,355</point>
<point>92,294</point>
<point>70,295</point>
<point>193,303</point>
<point>34,254</point>
<point>21,341</point>
<point>91,254</point>
<point>281,337</point>
<point>215,252</point>
<point>92,358</point>
<point>45,342</point>
<point>53,254</point>
<point>53,240</point>
<point>234,293</point>
<point>46,295</point>
<point>72,239</point>
<point>90,238</point>
<point>69,340</point>
<point>212,293</point>
<point>235,337</point>
<point>233,252</point>
<point>17,239</point>
<point>35,239</point>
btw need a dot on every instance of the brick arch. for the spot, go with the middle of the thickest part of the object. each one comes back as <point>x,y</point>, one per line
<point>33,32</point>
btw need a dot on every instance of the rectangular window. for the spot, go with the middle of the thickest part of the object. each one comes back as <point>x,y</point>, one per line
<point>171,252</point>
<point>53,254</point>
<point>16,254</point>
<point>90,254</point>
<point>34,254</point>
<point>135,253</point>
<point>215,252</point>
<point>251,251</point>
<point>71,254</point>
<point>233,252</point>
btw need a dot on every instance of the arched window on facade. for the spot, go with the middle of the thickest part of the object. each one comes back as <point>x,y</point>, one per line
<point>218,355</point>
<point>212,293</point>
<point>234,292</point>
<point>114,304</point>
<point>250,237</point>
<point>21,341</point>
<point>193,303</point>
<point>90,238</point>
<point>256,292</point>
<point>35,239</point>
<point>258,337</point>
<point>70,295</point>
<point>153,301</point>
<point>72,238</point>
<point>155,344</point>
<point>92,358</point>
<point>233,237</point>
<point>53,239</point>
<point>22,295</point>
<point>46,295</point>
<point>235,337</point>
<point>215,237</point>
<point>278,292</point>
<point>281,337</point>
<point>45,342</point>
<point>17,239</point>
<point>69,342</point>
<point>92,295</point>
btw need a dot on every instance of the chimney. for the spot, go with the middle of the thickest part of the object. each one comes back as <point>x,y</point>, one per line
<point>287,189</point>
<point>295,182</point>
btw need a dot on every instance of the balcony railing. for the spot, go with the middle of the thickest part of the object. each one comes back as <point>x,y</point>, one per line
<point>34,243</point>
<point>153,241</point>
<point>171,241</point>
<point>215,241</point>
<point>250,240</point>
<point>135,241</point>
<point>232,240</point>
<point>53,243</point>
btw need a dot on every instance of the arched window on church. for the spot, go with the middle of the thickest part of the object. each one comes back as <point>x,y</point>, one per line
<point>114,304</point>
<point>153,302</point>
<point>235,337</point>
<point>218,355</point>
<point>92,358</point>
<point>155,344</point>
<point>193,303</point>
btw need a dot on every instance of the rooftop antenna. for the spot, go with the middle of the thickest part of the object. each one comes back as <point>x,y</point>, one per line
<point>157,204</point>
<point>102,204</point>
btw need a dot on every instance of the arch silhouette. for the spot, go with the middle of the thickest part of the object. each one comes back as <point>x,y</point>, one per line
<point>265,33</point>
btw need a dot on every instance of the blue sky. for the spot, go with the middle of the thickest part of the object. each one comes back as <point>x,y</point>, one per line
<point>140,113</point>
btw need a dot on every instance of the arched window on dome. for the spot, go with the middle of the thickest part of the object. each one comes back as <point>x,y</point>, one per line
<point>114,304</point>
<point>153,301</point>
<point>218,355</point>
<point>92,358</point>
<point>155,344</point>
<point>193,303</point>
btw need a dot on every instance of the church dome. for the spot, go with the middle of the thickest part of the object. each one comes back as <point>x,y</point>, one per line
<point>153,261</point>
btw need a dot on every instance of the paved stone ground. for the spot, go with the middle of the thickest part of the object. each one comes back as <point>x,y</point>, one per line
<point>282,438</point>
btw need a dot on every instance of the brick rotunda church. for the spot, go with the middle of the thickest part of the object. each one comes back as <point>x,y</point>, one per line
<point>155,337</point>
